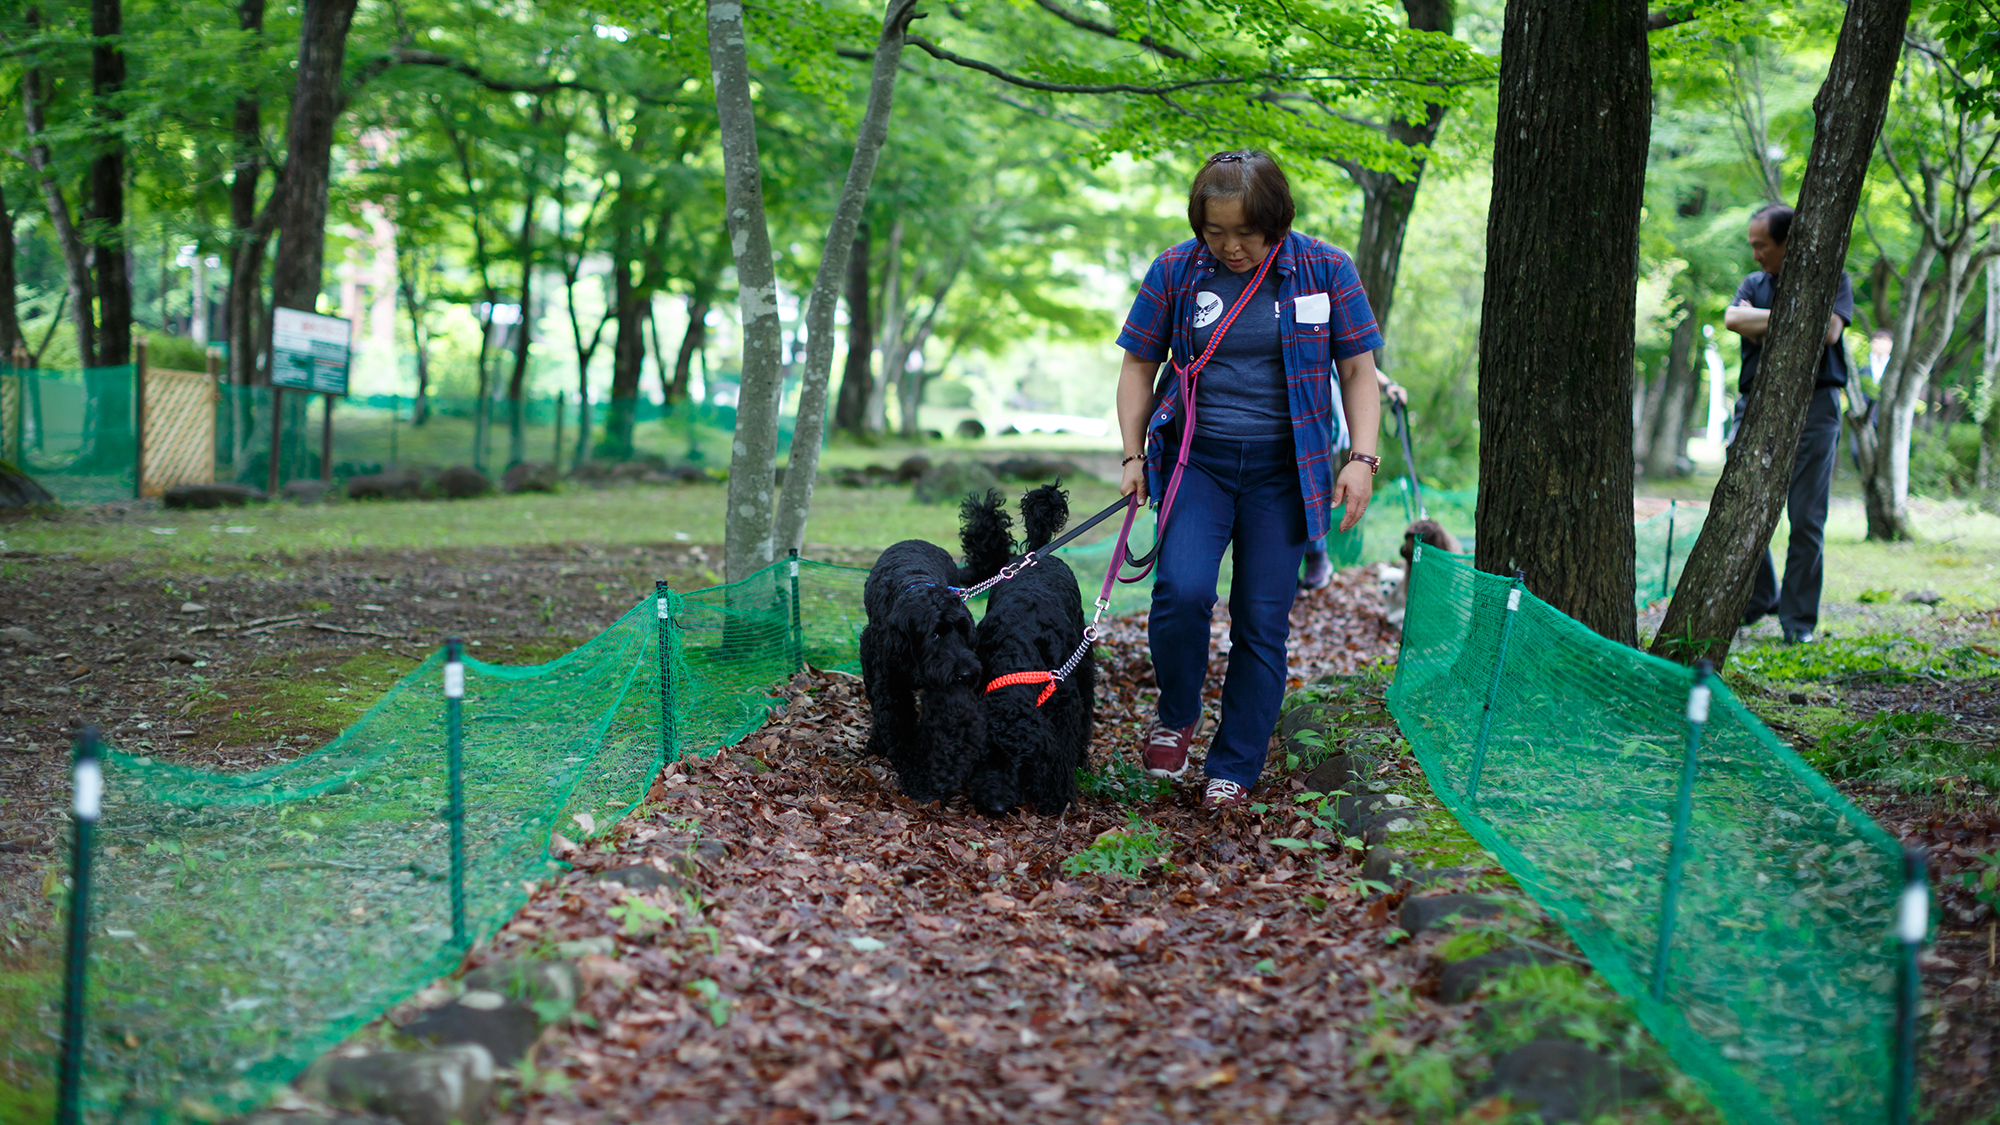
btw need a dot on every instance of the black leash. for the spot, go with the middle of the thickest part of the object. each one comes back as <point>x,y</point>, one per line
<point>1033,557</point>
<point>1402,413</point>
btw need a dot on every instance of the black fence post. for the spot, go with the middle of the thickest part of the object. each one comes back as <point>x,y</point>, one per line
<point>85,807</point>
<point>1492,687</point>
<point>1667,567</point>
<point>797,647</point>
<point>1697,715</point>
<point>1912,927</point>
<point>454,721</point>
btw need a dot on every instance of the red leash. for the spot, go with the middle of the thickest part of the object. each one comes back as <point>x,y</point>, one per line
<point>1186,376</point>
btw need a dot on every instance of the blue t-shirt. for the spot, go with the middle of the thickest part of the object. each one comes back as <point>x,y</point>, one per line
<point>1240,394</point>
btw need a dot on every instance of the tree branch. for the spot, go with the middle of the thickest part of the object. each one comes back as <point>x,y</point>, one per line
<point>1163,89</point>
<point>1109,32</point>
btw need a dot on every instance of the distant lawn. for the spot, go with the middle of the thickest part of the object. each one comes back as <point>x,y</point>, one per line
<point>843,518</point>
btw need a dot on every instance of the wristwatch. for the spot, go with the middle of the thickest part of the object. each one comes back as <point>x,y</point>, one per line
<point>1374,463</point>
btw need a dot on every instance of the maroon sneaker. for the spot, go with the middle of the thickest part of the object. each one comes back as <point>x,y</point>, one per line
<point>1165,753</point>
<point>1223,794</point>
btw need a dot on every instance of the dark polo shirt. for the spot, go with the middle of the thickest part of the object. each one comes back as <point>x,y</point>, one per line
<point>1833,366</point>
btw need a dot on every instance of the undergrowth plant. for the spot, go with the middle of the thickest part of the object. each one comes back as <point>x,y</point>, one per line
<point>1127,851</point>
<point>1908,751</point>
<point>1123,782</point>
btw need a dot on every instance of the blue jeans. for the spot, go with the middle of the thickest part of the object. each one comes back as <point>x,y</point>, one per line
<point>1245,493</point>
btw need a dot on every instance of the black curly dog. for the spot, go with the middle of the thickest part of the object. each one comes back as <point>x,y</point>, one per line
<point>920,671</point>
<point>1033,623</point>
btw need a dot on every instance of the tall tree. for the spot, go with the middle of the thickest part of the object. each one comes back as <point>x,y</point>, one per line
<point>850,412</point>
<point>749,531</point>
<point>809,430</point>
<point>1388,197</point>
<point>1944,155</point>
<point>107,191</point>
<point>244,314</point>
<point>300,199</point>
<point>1556,343</point>
<point>1702,619</point>
<point>35,94</point>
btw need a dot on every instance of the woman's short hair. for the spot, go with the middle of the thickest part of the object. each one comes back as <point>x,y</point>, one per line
<point>1251,175</point>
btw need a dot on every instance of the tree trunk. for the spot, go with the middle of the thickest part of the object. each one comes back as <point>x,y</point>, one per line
<point>517,444</point>
<point>82,294</point>
<point>850,413</point>
<point>691,342</point>
<point>1555,350</point>
<point>1989,386</point>
<point>892,330</point>
<point>911,383</point>
<point>1921,335</point>
<point>107,201</point>
<point>300,196</point>
<point>420,410</point>
<point>1387,200</point>
<point>810,426</point>
<point>1676,404</point>
<point>748,526</point>
<point>628,359</point>
<point>243,315</point>
<point>1702,619</point>
<point>10,323</point>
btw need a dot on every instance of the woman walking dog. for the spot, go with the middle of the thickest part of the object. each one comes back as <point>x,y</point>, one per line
<point>1256,318</point>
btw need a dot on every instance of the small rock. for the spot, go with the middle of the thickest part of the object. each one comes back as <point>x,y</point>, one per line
<point>505,1028</point>
<point>434,1087</point>
<point>709,851</point>
<point>19,490</point>
<point>209,496</point>
<point>463,482</point>
<point>26,638</point>
<point>1342,773</point>
<point>1386,865</point>
<point>948,482</point>
<point>183,656</point>
<point>1922,597</point>
<point>529,981</point>
<point>643,877</point>
<point>528,476</point>
<point>390,484</point>
<point>1796,699</point>
<point>912,467</point>
<point>1463,978</point>
<point>303,491</point>
<point>193,607</point>
<point>1564,1081</point>
<point>602,945</point>
<point>1351,813</point>
<point>1430,911</point>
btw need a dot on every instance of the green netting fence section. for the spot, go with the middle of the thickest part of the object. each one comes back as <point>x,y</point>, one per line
<point>73,431</point>
<point>1662,543</point>
<point>1562,753</point>
<point>243,923</point>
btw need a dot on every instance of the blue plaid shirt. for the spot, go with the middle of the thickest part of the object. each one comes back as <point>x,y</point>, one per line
<point>1324,318</point>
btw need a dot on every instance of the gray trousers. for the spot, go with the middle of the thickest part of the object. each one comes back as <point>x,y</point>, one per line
<point>1797,603</point>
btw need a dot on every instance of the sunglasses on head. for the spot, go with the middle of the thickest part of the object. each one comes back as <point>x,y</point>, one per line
<point>1227,158</point>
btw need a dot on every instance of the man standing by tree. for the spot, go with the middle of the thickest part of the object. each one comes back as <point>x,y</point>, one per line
<point>1749,316</point>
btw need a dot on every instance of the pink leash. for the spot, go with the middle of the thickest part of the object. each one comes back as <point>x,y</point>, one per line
<point>1186,376</point>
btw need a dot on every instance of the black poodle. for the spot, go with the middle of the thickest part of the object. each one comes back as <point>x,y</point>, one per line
<point>920,671</point>
<point>1037,732</point>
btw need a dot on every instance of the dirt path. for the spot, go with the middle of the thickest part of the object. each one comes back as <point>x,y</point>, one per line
<point>856,955</point>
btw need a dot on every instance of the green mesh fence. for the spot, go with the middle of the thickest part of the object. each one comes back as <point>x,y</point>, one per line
<point>243,923</point>
<point>1562,753</point>
<point>73,431</point>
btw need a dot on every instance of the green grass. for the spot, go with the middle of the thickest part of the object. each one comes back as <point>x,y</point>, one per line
<point>168,541</point>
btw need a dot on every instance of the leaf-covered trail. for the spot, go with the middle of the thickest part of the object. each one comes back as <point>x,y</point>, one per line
<point>855,956</point>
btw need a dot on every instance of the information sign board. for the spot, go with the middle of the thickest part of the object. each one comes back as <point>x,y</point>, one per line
<point>309,352</point>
